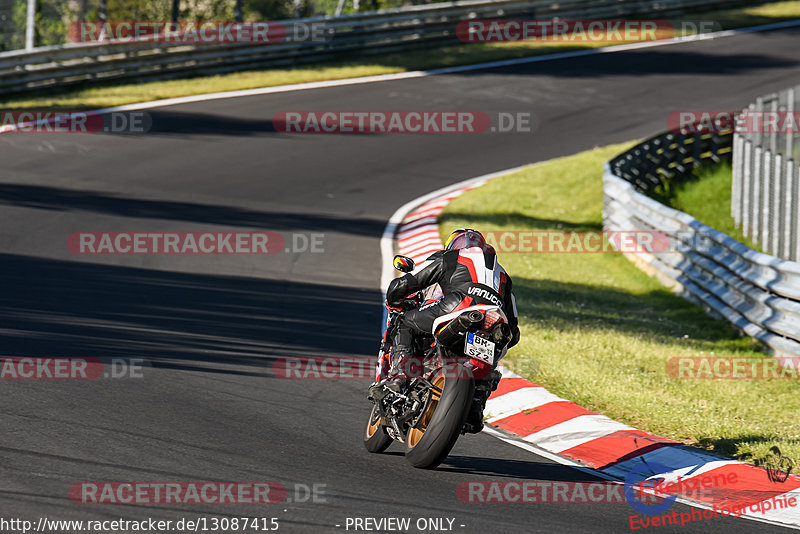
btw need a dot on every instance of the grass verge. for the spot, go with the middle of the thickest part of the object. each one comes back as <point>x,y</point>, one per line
<point>599,332</point>
<point>105,95</point>
<point>708,199</point>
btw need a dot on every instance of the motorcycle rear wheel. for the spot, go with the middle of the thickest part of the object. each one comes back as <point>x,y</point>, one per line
<point>429,443</point>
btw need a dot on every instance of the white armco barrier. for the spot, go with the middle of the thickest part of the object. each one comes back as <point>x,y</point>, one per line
<point>758,293</point>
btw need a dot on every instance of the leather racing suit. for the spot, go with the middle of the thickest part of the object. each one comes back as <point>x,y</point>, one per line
<point>467,277</point>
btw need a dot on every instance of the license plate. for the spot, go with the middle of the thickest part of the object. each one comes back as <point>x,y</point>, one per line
<point>479,348</point>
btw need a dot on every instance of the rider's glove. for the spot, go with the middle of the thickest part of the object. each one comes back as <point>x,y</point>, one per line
<point>397,291</point>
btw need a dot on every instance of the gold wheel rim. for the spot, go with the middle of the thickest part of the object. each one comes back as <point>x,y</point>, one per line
<point>374,423</point>
<point>415,434</point>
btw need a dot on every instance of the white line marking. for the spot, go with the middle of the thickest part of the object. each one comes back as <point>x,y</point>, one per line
<point>424,73</point>
<point>518,401</point>
<point>412,248</point>
<point>505,372</point>
<point>416,224</point>
<point>576,431</point>
<point>424,230</point>
<point>417,240</point>
<point>423,214</point>
<point>424,253</point>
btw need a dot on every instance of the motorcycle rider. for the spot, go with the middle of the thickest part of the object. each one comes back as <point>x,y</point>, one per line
<point>465,270</point>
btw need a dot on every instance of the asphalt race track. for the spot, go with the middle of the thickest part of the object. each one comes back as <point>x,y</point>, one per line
<point>208,327</point>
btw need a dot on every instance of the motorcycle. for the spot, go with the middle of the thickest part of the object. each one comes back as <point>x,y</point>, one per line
<point>451,376</point>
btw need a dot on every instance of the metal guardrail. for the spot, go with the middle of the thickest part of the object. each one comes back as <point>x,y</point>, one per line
<point>765,199</point>
<point>363,33</point>
<point>758,293</point>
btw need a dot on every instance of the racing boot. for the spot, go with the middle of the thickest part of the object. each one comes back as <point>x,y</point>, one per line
<point>483,388</point>
<point>397,377</point>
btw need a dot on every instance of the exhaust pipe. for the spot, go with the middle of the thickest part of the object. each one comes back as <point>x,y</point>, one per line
<point>501,334</point>
<point>454,331</point>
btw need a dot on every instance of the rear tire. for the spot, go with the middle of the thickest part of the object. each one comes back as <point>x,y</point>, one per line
<point>429,444</point>
<point>376,440</point>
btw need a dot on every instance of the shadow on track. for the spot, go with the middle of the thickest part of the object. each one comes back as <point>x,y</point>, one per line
<point>176,124</point>
<point>662,61</point>
<point>187,321</point>
<point>58,199</point>
<point>528,470</point>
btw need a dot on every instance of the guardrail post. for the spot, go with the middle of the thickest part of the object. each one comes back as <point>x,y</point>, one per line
<point>790,249</point>
<point>789,134</point>
<point>773,136</point>
<point>796,212</point>
<point>795,209</point>
<point>776,212</point>
<point>736,184</point>
<point>758,134</point>
<point>755,196</point>
<point>30,25</point>
<point>747,187</point>
<point>766,196</point>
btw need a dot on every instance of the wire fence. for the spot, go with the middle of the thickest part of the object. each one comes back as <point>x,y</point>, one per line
<point>765,195</point>
<point>656,166</point>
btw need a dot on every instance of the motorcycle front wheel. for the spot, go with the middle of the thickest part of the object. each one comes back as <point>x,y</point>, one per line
<point>376,440</point>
